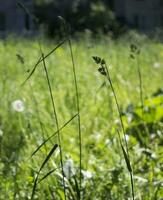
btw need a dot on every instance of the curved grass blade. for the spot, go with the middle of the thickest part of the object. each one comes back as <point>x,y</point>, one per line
<point>34,187</point>
<point>48,156</point>
<point>50,172</point>
<point>52,135</point>
<point>43,164</point>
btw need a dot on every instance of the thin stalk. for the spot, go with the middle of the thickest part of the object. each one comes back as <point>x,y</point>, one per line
<point>77,99</point>
<point>123,129</point>
<point>140,85</point>
<point>56,121</point>
<point>142,103</point>
<point>128,165</point>
<point>141,98</point>
<point>78,109</point>
<point>135,51</point>
<point>132,185</point>
<point>118,108</point>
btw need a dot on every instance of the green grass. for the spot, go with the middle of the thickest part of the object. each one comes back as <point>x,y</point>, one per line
<point>101,151</point>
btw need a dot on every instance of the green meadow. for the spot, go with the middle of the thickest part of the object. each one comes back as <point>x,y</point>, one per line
<point>97,165</point>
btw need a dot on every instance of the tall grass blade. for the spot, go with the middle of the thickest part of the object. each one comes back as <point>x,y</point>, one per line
<point>77,94</point>
<point>78,110</point>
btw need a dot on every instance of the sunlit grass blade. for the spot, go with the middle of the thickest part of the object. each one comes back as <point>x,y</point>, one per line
<point>54,134</point>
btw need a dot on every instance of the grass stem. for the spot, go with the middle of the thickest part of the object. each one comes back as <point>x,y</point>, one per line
<point>66,30</point>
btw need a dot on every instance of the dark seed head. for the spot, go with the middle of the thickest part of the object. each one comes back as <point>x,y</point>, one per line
<point>97,59</point>
<point>132,56</point>
<point>102,71</point>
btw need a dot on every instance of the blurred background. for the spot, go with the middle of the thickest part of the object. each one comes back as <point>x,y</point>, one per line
<point>96,16</point>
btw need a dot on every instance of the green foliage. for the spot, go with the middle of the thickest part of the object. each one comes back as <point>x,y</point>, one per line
<point>104,172</point>
<point>151,120</point>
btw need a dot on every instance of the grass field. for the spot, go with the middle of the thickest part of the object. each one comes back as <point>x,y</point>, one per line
<point>23,127</point>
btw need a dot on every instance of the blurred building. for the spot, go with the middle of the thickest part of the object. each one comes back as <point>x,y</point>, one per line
<point>13,18</point>
<point>145,15</point>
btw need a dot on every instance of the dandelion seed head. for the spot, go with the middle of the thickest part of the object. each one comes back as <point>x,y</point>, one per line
<point>18,105</point>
